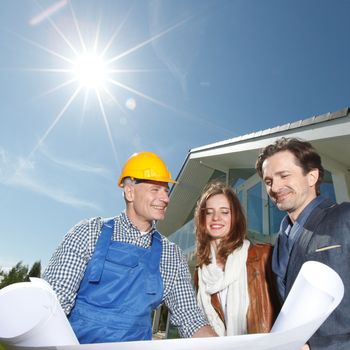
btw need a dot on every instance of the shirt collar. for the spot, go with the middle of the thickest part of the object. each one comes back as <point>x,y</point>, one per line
<point>129,223</point>
<point>303,216</point>
<point>286,224</point>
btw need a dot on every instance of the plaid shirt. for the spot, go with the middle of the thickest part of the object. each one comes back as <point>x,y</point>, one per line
<point>67,266</point>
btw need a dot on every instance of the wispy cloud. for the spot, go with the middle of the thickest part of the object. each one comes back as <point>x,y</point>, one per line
<point>22,180</point>
<point>74,165</point>
<point>20,172</point>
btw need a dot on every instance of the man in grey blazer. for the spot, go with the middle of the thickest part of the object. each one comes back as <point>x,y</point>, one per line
<point>315,228</point>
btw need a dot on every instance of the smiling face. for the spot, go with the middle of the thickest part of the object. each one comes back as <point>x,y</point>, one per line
<point>286,184</point>
<point>146,201</point>
<point>218,217</point>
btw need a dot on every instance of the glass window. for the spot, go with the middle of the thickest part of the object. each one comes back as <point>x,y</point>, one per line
<point>327,186</point>
<point>184,237</point>
<point>240,196</point>
<point>238,183</point>
<point>254,209</point>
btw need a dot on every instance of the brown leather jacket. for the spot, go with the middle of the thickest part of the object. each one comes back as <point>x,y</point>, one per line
<point>263,300</point>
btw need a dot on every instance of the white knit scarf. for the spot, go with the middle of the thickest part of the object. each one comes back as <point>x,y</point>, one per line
<point>211,279</point>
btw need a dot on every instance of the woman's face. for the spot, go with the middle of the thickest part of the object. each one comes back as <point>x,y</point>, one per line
<point>218,216</point>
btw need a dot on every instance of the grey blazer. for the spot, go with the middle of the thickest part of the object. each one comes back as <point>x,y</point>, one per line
<point>326,238</point>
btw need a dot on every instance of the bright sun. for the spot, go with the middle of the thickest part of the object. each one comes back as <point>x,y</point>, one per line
<point>90,71</point>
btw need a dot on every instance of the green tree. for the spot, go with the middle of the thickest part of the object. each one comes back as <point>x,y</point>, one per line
<point>17,274</point>
<point>35,271</point>
<point>20,273</point>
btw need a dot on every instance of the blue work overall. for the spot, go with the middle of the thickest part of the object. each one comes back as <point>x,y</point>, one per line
<point>121,286</point>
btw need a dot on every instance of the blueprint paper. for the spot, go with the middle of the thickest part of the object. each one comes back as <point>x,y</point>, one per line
<point>317,291</point>
<point>30,315</point>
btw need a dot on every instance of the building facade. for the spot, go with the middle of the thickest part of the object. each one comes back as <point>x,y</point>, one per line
<point>233,161</point>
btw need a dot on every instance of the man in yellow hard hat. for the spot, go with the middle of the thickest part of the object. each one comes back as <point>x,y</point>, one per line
<point>110,274</point>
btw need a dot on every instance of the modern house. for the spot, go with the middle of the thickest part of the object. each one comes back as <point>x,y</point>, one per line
<point>233,161</point>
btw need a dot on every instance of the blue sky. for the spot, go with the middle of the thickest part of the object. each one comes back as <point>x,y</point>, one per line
<point>178,75</point>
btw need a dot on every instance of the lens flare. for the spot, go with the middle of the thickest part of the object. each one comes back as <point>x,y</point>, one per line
<point>92,68</point>
<point>90,71</point>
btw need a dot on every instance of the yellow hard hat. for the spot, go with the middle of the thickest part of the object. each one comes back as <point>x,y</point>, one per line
<point>145,166</point>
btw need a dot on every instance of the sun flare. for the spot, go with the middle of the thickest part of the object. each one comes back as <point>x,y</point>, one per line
<point>90,71</point>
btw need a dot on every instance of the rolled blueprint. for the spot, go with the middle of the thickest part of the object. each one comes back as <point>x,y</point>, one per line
<point>317,291</point>
<point>32,316</point>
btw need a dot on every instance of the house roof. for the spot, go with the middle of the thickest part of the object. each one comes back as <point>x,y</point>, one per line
<point>329,133</point>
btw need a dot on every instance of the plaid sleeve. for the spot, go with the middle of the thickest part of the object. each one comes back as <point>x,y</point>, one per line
<point>180,299</point>
<point>67,265</point>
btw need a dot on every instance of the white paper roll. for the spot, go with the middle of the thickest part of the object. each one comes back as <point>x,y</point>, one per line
<point>32,316</point>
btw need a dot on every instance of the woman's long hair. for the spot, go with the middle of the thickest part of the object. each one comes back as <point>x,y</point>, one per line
<point>237,230</point>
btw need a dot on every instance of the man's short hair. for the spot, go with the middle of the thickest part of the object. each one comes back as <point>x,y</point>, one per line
<point>128,181</point>
<point>305,154</point>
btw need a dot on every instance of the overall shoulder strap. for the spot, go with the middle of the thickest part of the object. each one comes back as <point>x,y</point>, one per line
<point>101,249</point>
<point>156,249</point>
